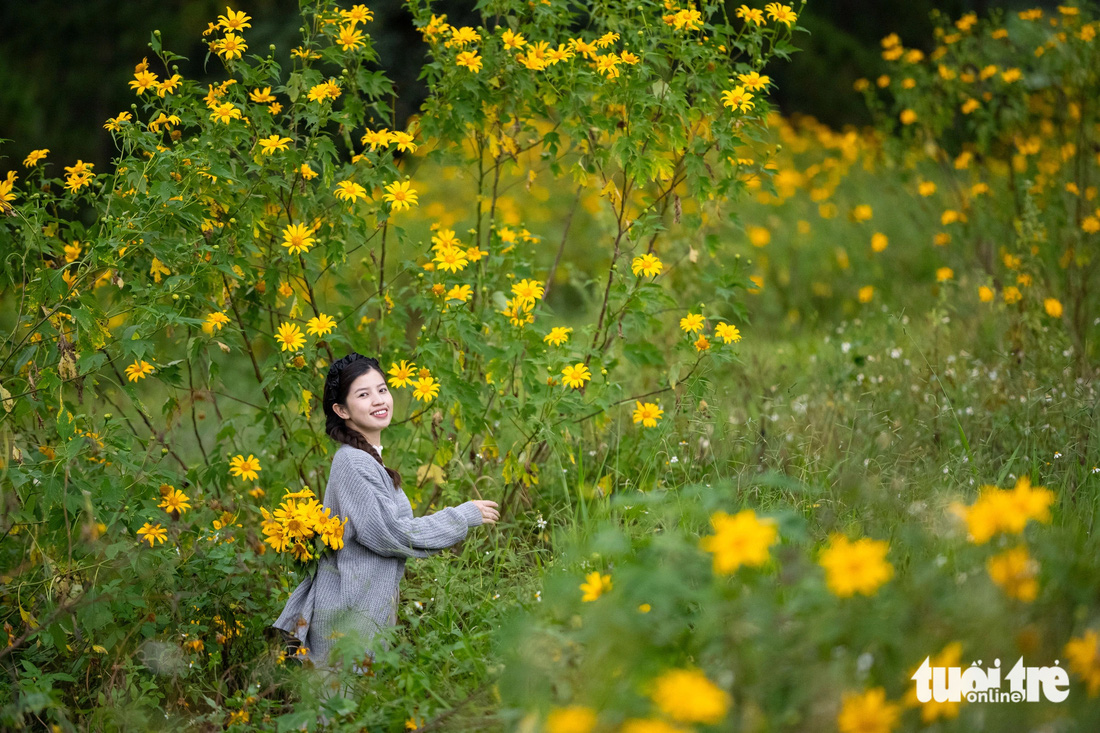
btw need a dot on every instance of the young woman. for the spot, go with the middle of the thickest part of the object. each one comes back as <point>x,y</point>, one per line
<point>354,591</point>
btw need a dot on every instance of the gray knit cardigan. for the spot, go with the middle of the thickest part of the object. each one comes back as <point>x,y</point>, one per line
<point>354,590</point>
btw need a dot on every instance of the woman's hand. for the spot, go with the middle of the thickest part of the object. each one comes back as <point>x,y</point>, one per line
<point>489,513</point>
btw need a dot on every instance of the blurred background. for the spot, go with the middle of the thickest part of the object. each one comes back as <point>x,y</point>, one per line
<point>64,65</point>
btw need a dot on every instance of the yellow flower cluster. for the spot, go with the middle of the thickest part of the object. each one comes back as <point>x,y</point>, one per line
<point>1005,510</point>
<point>299,518</point>
<point>232,45</point>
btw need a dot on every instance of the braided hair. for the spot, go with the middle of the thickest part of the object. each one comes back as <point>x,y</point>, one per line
<point>337,384</point>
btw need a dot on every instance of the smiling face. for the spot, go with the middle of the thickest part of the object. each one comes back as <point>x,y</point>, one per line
<point>368,407</point>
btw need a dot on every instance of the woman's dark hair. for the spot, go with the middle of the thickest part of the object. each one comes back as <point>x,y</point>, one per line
<point>337,384</point>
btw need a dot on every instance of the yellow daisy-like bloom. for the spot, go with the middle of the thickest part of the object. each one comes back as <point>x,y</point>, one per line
<point>647,414</point>
<point>781,13</point>
<point>688,696</point>
<point>306,172</point>
<point>376,138</point>
<point>558,335</point>
<point>470,60</point>
<point>225,112</point>
<point>576,375</point>
<point>451,259</point>
<point>445,238</point>
<point>527,292</point>
<point>400,195</point>
<point>739,540</point>
<point>350,38</point>
<point>1053,307</point>
<point>325,90</point>
<point>175,501</point>
<point>34,156</point>
<point>648,265</point>
<point>245,468</point>
<point>867,713</point>
<point>727,332</point>
<point>692,323</point>
<point>230,47</point>
<point>512,41</point>
<point>944,274</point>
<point>702,343</point>
<point>233,20</point>
<point>143,80</point>
<point>571,719</point>
<point>459,292</point>
<point>272,143</point>
<point>1016,573</point>
<point>753,81</point>
<point>296,238</point>
<point>153,532</point>
<point>138,370</point>
<point>595,586</point>
<point>750,15</point>
<point>404,142</point>
<point>1083,658</point>
<point>320,325</point>
<point>290,337</point>
<point>426,389</point>
<point>855,567</point>
<point>402,374</point>
<point>214,321</point>
<point>350,191</point>
<point>114,124</point>
<point>261,96</point>
<point>738,98</point>
<point>907,117</point>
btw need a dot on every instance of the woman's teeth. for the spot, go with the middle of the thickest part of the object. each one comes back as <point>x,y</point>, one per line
<point>380,413</point>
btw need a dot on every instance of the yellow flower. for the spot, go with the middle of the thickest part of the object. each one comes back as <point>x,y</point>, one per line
<point>727,332</point>
<point>692,323</point>
<point>269,145</point>
<point>926,188</point>
<point>425,389</point>
<point>325,90</point>
<point>1053,307</point>
<point>261,96</point>
<point>855,567</point>
<point>739,540</point>
<point>296,238</point>
<point>512,41</point>
<point>357,14</point>
<point>781,13</point>
<point>1015,572</point>
<point>34,156</point>
<point>143,80</point>
<point>375,138</point>
<point>753,81</point>
<point>985,294</point>
<point>1083,658</point>
<point>404,141</point>
<point>908,117</point>
<point>737,98</point>
<point>245,468</point>
<point>470,60</point>
<point>400,195</point>
<point>230,47</point>
<point>175,500</point>
<point>451,259</point>
<point>750,15</point>
<point>306,172</point>
<point>866,293</point>
<point>150,532</point>
<point>1012,294</point>
<point>944,274</point>
<point>350,191</point>
<point>459,292</point>
<point>115,123</point>
<point>527,292</point>
<point>138,370</point>
<point>225,112</point>
<point>403,374</point>
<point>320,325</point>
<point>290,337</point>
<point>879,242</point>
<point>571,719</point>
<point>648,265</point>
<point>867,713</point>
<point>215,321</point>
<point>595,585</point>
<point>702,343</point>
<point>558,335</point>
<point>861,213</point>
<point>688,696</point>
<point>647,414</point>
<point>350,38</point>
<point>576,375</point>
<point>234,21</point>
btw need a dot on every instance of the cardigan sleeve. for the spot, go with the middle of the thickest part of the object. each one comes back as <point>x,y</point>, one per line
<point>372,512</point>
